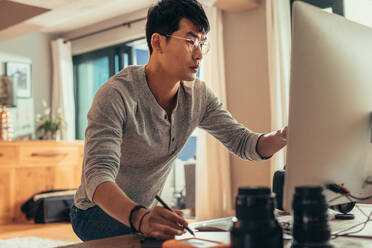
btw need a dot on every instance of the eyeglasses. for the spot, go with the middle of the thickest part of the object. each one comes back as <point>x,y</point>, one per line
<point>194,44</point>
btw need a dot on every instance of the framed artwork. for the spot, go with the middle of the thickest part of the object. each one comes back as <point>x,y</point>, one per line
<point>21,75</point>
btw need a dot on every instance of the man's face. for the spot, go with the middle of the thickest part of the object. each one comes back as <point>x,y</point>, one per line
<point>180,58</point>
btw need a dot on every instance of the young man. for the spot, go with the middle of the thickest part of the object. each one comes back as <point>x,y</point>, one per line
<point>139,121</point>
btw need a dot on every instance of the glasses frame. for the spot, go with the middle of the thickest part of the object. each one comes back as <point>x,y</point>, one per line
<point>204,45</point>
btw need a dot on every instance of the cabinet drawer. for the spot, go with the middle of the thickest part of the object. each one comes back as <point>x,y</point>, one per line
<point>8,155</point>
<point>44,155</point>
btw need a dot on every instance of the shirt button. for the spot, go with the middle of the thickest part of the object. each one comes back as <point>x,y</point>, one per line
<point>172,139</point>
<point>165,116</point>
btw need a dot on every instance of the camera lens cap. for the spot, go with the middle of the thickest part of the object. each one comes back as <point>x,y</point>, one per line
<point>344,216</point>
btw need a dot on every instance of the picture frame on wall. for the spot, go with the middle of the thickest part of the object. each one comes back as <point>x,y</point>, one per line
<point>22,78</point>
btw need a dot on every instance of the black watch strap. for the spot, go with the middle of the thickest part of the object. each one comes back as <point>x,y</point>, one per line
<point>136,208</point>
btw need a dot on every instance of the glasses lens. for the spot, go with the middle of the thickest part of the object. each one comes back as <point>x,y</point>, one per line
<point>205,46</point>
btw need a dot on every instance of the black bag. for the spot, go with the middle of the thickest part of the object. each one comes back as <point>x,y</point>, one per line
<point>278,187</point>
<point>49,206</point>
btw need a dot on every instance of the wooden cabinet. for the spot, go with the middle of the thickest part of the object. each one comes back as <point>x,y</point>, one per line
<point>6,195</point>
<point>28,167</point>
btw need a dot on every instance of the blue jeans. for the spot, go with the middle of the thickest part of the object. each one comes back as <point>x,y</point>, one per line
<point>94,223</point>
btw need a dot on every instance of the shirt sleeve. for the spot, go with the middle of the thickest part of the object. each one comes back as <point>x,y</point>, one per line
<point>103,138</point>
<point>217,121</point>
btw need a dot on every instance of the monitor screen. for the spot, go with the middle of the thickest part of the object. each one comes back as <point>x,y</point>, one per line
<point>329,126</point>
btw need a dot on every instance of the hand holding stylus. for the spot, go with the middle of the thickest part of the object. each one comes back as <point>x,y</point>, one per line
<point>161,223</point>
<point>166,206</point>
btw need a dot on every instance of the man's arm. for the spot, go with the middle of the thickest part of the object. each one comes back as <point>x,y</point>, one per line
<point>236,137</point>
<point>159,223</point>
<point>114,201</point>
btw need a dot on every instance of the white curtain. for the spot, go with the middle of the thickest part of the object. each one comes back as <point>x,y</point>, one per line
<point>213,186</point>
<point>279,45</point>
<point>62,86</point>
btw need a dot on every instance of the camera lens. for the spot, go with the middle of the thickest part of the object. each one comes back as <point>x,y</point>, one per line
<point>310,221</point>
<point>256,225</point>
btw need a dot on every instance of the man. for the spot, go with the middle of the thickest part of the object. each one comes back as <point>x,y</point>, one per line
<point>139,121</point>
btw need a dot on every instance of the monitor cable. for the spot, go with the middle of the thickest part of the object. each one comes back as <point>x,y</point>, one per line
<point>344,192</point>
<point>363,224</point>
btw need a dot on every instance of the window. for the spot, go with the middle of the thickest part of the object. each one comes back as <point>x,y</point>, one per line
<point>92,69</point>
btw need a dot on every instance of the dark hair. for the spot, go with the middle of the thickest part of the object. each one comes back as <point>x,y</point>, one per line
<point>164,17</point>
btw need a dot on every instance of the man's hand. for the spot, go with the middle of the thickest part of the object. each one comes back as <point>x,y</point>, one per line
<point>270,143</point>
<point>161,223</point>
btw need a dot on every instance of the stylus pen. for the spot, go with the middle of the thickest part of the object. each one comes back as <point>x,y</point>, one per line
<point>166,206</point>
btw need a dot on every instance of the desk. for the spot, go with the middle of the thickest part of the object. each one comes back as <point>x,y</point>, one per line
<point>132,241</point>
<point>28,167</point>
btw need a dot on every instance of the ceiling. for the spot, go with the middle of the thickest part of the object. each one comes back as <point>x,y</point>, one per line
<point>23,12</point>
<point>19,17</point>
<point>67,15</point>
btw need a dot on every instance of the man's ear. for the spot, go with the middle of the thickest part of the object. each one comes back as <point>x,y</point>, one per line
<point>156,42</point>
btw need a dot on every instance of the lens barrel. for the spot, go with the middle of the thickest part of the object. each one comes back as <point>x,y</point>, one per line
<point>310,218</point>
<point>256,226</point>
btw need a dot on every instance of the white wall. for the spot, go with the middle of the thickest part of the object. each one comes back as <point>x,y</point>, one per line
<point>33,48</point>
<point>359,11</point>
<point>247,82</point>
<point>110,37</point>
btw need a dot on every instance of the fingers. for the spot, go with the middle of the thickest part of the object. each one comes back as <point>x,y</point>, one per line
<point>271,143</point>
<point>284,132</point>
<point>171,216</point>
<point>165,230</point>
<point>179,212</point>
<point>158,219</point>
<point>161,231</point>
<point>163,224</point>
<point>173,225</point>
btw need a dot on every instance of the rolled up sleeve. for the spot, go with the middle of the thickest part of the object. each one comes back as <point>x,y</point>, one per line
<point>103,138</point>
<point>238,139</point>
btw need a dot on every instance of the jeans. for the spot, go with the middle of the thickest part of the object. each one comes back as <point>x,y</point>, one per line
<point>94,223</point>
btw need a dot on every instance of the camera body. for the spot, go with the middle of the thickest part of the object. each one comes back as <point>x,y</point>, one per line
<point>310,218</point>
<point>256,225</point>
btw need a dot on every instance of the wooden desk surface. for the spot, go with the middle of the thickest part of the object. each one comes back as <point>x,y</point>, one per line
<point>132,241</point>
<point>127,241</point>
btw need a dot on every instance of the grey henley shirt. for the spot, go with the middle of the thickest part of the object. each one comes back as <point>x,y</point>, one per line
<point>131,141</point>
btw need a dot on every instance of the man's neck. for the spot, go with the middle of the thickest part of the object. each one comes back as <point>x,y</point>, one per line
<point>162,86</point>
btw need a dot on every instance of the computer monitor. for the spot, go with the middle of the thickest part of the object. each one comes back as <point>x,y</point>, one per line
<point>329,127</point>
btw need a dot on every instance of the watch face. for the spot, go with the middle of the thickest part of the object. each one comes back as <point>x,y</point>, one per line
<point>200,243</point>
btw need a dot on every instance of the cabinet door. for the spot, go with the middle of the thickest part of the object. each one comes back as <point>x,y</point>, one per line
<point>48,155</point>
<point>6,193</point>
<point>79,166</point>
<point>63,177</point>
<point>28,182</point>
<point>8,156</point>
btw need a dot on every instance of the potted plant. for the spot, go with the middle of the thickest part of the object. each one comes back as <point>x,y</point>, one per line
<point>49,125</point>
